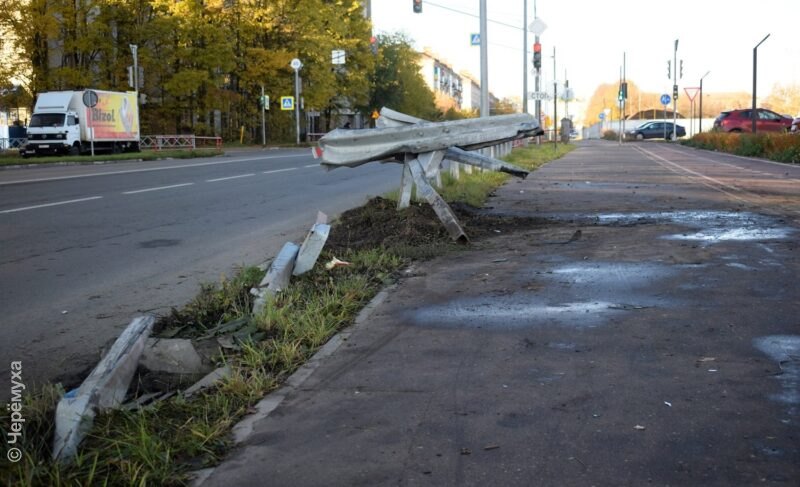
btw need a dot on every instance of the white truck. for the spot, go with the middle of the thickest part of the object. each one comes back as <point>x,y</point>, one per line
<point>77,122</point>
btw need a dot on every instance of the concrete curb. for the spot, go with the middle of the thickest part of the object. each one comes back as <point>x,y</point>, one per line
<point>244,428</point>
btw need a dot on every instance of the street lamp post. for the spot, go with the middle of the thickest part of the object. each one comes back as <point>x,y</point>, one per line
<point>484,61</point>
<point>754,114</point>
<point>700,121</point>
<point>524,56</point>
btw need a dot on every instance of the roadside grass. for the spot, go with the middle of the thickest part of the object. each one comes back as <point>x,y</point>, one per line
<point>14,159</point>
<point>161,443</point>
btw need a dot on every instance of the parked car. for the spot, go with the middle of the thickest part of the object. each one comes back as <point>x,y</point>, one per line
<point>656,130</point>
<point>795,129</point>
<point>741,121</point>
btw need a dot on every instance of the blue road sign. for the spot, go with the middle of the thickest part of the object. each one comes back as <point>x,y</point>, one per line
<point>287,103</point>
<point>602,116</point>
<point>665,99</point>
<point>475,39</point>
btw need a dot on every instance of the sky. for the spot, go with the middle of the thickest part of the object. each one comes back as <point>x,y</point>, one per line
<point>592,36</point>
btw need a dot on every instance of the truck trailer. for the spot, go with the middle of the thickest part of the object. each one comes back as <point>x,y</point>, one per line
<point>77,122</point>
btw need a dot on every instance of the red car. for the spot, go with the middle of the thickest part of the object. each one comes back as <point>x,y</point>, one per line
<point>741,121</point>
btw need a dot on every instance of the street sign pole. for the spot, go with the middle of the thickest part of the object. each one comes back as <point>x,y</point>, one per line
<point>675,91</point>
<point>296,65</point>
<point>263,119</point>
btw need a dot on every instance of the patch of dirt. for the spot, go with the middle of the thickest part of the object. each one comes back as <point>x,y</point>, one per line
<point>379,224</point>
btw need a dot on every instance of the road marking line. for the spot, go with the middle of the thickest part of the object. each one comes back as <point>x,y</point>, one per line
<point>230,177</point>
<point>281,170</point>
<point>132,171</point>
<point>157,189</point>
<point>658,159</point>
<point>312,165</point>
<point>51,204</point>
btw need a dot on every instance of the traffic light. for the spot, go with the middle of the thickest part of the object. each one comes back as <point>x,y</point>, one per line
<point>669,69</point>
<point>675,92</point>
<point>537,55</point>
<point>624,90</point>
<point>417,6</point>
<point>373,45</point>
<point>620,95</point>
<point>681,68</point>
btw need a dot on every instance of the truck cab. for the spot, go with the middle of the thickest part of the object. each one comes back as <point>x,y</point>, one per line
<point>54,133</point>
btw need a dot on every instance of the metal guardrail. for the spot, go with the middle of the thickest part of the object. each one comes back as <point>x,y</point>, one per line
<point>162,142</point>
<point>422,147</point>
<point>13,143</point>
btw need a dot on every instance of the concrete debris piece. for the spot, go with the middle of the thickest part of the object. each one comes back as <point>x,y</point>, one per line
<point>312,246</point>
<point>278,275</point>
<point>104,388</point>
<point>209,380</point>
<point>172,356</point>
<point>335,263</point>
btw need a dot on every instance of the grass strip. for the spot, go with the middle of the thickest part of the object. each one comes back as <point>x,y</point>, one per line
<point>160,444</point>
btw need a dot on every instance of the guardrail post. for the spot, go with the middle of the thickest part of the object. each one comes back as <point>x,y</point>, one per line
<point>406,185</point>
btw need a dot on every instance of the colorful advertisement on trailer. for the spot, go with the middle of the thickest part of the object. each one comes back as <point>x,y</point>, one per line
<point>115,117</point>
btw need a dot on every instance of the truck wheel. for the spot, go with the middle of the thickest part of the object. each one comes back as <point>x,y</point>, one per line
<point>75,150</point>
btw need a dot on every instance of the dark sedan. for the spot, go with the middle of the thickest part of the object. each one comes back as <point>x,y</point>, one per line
<point>656,130</point>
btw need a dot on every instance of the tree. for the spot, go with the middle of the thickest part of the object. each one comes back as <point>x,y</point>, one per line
<point>784,99</point>
<point>397,82</point>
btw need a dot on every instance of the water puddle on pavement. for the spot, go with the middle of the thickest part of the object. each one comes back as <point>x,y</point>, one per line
<point>711,226</point>
<point>581,295</point>
<point>785,350</point>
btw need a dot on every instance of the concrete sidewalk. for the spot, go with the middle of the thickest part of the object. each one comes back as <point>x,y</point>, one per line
<point>618,345</point>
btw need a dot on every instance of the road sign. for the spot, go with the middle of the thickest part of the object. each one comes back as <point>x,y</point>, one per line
<point>475,39</point>
<point>691,92</point>
<point>296,64</point>
<point>89,98</point>
<point>287,103</point>
<point>537,26</point>
<point>337,57</point>
<point>539,95</point>
<point>665,99</point>
<point>602,116</point>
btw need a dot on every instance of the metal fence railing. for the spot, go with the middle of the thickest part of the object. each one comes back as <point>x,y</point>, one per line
<point>162,142</point>
<point>12,143</point>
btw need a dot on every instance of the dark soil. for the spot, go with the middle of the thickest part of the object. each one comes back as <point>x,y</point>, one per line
<point>380,224</point>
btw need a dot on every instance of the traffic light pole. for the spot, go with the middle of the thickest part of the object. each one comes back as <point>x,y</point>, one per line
<point>263,119</point>
<point>524,56</point>
<point>675,92</point>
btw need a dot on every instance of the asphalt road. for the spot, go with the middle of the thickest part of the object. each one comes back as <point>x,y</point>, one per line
<point>647,334</point>
<point>84,249</point>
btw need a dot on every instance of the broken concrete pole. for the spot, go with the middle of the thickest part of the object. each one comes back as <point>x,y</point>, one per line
<point>172,356</point>
<point>105,388</point>
<point>278,275</point>
<point>312,246</point>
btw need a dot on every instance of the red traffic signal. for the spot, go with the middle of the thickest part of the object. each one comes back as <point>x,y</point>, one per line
<point>537,55</point>
<point>417,6</point>
<point>537,47</point>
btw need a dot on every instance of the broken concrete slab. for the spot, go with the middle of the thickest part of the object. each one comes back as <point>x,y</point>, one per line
<point>173,356</point>
<point>209,380</point>
<point>312,246</point>
<point>104,388</point>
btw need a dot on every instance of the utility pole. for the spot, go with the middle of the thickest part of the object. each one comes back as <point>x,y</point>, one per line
<point>263,118</point>
<point>555,103</point>
<point>484,62</point>
<point>524,56</point>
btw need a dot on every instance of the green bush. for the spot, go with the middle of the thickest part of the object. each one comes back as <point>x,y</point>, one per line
<point>774,146</point>
<point>610,135</point>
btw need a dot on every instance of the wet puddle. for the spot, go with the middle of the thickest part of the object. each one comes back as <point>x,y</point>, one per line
<point>710,226</point>
<point>579,295</point>
<point>785,350</point>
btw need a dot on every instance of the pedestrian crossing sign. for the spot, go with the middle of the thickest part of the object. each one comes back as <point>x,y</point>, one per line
<point>287,103</point>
